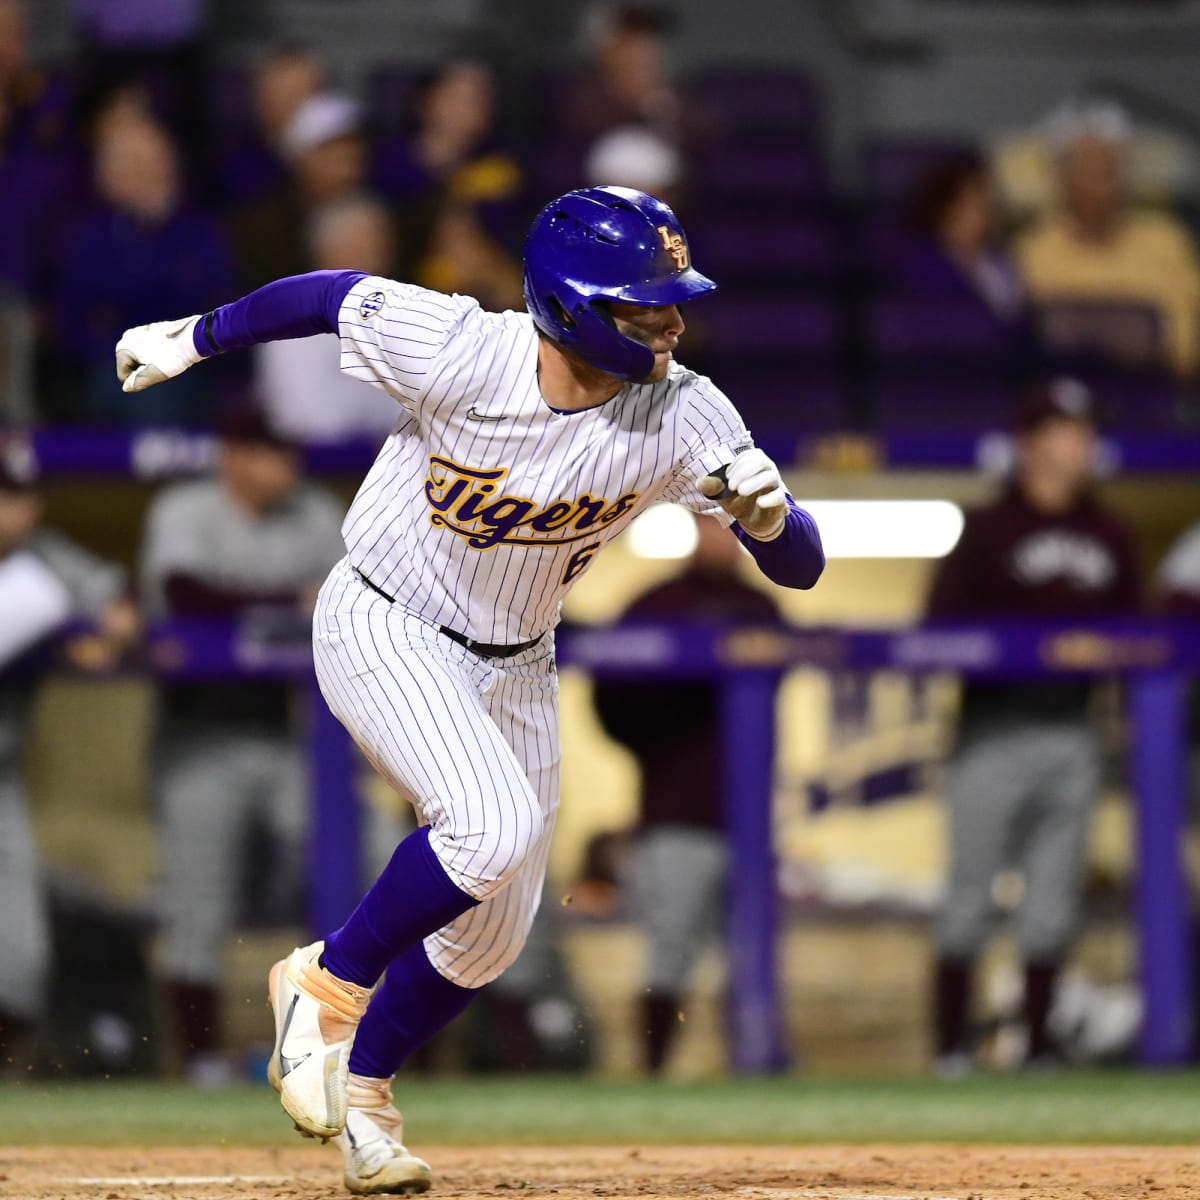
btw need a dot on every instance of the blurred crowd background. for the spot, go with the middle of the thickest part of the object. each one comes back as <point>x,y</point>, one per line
<point>159,164</point>
<point>929,220</point>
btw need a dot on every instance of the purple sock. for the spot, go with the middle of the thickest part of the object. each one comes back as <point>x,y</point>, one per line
<point>411,898</point>
<point>415,1001</point>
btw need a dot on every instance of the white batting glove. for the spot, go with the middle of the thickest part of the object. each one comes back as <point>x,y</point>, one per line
<point>150,354</point>
<point>752,492</point>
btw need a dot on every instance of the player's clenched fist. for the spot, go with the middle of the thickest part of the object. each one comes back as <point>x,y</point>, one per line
<point>752,492</point>
<point>149,354</point>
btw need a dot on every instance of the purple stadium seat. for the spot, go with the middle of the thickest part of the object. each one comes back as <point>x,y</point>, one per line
<point>390,90</point>
<point>1132,400</point>
<point>1128,335</point>
<point>883,244</point>
<point>771,329</point>
<point>230,100</point>
<point>781,105</point>
<point>892,166</point>
<point>775,175</point>
<point>733,249</point>
<point>557,167</point>
<point>776,402</point>
<point>909,329</point>
<point>939,402</point>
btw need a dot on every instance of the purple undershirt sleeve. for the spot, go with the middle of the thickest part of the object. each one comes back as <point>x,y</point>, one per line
<point>296,307</point>
<point>794,559</point>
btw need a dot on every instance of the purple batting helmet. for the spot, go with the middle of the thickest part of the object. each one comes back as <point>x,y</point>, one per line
<point>603,244</point>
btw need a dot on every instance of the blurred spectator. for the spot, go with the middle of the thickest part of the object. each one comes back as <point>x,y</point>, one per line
<point>1158,163</point>
<point>253,545</point>
<point>301,383</point>
<point>626,80</point>
<point>139,252</point>
<point>253,164</point>
<point>461,256</point>
<point>956,253</point>
<point>677,867</point>
<point>45,582</point>
<point>35,159</point>
<point>161,48</point>
<point>326,153</point>
<point>34,103</point>
<point>1026,770</point>
<point>1096,247</point>
<point>638,158</point>
<point>454,152</point>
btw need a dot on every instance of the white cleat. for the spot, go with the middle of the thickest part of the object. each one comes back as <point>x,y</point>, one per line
<point>316,1016</point>
<point>376,1160</point>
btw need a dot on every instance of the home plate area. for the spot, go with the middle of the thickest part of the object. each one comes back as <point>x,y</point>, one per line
<point>767,1172</point>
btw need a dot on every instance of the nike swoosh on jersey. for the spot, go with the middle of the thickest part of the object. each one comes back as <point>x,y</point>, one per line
<point>288,1065</point>
<point>472,415</point>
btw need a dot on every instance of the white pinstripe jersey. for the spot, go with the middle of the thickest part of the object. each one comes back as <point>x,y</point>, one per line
<point>485,505</point>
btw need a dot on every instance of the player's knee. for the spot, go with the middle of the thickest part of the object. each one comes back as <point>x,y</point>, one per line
<point>483,963</point>
<point>482,862</point>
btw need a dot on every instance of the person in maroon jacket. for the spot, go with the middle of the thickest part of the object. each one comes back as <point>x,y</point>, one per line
<point>678,863</point>
<point>1026,770</point>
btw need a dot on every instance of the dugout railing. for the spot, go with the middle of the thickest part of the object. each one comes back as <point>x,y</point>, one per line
<point>1154,660</point>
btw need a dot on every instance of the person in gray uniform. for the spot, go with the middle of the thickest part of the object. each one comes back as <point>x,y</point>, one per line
<point>1026,768</point>
<point>46,583</point>
<point>254,540</point>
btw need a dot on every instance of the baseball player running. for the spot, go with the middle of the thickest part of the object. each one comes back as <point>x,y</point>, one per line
<point>524,443</point>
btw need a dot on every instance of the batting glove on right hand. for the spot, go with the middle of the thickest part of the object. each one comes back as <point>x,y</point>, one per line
<point>150,354</point>
<point>752,492</point>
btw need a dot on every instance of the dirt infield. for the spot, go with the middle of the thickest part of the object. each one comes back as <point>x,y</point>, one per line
<point>582,1173</point>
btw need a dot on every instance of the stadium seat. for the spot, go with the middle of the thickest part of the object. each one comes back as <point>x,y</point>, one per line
<point>1132,400</point>
<point>389,93</point>
<point>803,250</point>
<point>230,103</point>
<point>772,330</point>
<point>892,166</point>
<point>1127,335</point>
<point>915,329</point>
<point>758,105</point>
<point>785,402</point>
<point>939,401</point>
<point>774,177</point>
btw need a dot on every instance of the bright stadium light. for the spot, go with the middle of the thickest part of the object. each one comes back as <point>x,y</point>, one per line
<point>663,531</point>
<point>886,528</point>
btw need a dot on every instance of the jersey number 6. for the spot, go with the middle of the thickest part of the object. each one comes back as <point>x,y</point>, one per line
<point>578,562</point>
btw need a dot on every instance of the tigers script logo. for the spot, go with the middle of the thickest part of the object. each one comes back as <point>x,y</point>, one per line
<point>468,502</point>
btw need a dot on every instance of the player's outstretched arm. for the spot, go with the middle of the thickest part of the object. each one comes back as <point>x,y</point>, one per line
<point>295,307</point>
<point>782,537</point>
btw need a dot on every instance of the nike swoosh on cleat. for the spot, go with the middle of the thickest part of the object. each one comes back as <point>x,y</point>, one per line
<point>473,415</point>
<point>288,1065</point>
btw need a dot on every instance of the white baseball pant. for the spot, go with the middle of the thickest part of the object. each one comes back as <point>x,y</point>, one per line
<point>472,741</point>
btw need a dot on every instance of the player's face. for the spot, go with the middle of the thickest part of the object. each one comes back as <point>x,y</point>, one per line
<point>659,326</point>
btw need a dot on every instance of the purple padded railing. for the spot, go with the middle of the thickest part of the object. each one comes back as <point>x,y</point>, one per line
<point>1154,659</point>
